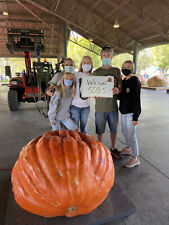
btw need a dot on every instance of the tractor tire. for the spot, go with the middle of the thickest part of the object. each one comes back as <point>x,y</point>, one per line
<point>13,101</point>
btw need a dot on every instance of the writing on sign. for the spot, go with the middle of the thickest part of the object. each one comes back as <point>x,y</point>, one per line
<point>99,86</point>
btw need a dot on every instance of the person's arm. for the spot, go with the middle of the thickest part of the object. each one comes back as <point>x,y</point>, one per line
<point>53,107</point>
<point>55,78</point>
<point>94,73</point>
<point>53,83</point>
<point>50,90</point>
<point>136,100</point>
<point>117,90</point>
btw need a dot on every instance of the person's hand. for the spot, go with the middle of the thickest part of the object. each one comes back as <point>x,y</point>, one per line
<point>54,123</point>
<point>135,123</point>
<point>116,91</point>
<point>50,91</point>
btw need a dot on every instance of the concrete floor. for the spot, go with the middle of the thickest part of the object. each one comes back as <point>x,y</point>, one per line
<point>147,186</point>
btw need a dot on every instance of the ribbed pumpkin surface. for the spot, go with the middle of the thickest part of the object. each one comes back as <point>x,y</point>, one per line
<point>62,173</point>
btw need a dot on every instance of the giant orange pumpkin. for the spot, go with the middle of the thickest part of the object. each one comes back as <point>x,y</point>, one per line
<point>62,173</point>
<point>157,81</point>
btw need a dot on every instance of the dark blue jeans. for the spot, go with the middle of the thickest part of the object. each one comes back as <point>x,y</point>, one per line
<point>80,117</point>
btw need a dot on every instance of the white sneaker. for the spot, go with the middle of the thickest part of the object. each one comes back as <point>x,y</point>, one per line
<point>132,162</point>
<point>126,151</point>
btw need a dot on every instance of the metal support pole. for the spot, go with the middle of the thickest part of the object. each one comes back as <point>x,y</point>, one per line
<point>65,42</point>
<point>135,54</point>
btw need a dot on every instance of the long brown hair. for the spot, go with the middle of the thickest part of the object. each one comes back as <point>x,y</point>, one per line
<point>61,86</point>
<point>80,67</point>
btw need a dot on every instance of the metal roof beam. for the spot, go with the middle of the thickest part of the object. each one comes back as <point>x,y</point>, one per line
<point>20,20</point>
<point>129,11</point>
<point>98,15</point>
<point>141,13</point>
<point>35,15</point>
<point>149,37</point>
<point>91,9</point>
<point>71,10</point>
<point>73,23</point>
<point>30,11</point>
<point>55,5</point>
<point>84,47</point>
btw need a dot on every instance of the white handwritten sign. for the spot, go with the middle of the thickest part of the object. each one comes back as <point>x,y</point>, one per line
<point>99,86</point>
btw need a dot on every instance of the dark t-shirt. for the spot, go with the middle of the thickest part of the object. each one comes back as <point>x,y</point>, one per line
<point>130,97</point>
<point>108,104</point>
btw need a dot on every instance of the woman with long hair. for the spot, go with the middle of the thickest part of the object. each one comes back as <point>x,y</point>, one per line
<point>80,107</point>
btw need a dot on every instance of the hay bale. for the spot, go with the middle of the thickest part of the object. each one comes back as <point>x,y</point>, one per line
<point>157,82</point>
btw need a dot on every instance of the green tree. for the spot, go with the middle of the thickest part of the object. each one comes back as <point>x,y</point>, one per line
<point>77,52</point>
<point>120,59</point>
<point>145,60</point>
<point>161,57</point>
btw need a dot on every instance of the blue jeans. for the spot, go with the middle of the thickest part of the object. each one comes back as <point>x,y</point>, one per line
<point>68,123</point>
<point>80,116</point>
<point>102,117</point>
<point>129,132</point>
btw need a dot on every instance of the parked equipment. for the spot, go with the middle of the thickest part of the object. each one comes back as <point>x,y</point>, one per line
<point>31,84</point>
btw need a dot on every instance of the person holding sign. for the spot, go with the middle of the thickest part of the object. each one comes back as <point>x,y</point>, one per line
<point>130,109</point>
<point>106,109</point>
<point>80,107</point>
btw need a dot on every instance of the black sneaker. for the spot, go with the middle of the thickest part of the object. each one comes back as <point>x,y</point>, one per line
<point>115,153</point>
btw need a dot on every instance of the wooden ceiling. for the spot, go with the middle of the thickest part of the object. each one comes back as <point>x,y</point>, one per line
<point>145,21</point>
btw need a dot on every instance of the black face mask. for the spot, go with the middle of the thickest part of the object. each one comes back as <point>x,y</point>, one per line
<point>126,72</point>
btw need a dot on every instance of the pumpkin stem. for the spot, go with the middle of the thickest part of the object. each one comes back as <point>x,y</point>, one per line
<point>71,209</point>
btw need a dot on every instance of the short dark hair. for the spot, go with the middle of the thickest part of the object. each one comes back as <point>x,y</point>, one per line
<point>107,49</point>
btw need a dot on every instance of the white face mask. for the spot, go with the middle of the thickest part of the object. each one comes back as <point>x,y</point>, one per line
<point>86,67</point>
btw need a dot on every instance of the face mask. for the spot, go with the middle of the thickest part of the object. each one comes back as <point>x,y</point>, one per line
<point>106,61</point>
<point>126,72</point>
<point>68,83</point>
<point>69,69</point>
<point>86,67</point>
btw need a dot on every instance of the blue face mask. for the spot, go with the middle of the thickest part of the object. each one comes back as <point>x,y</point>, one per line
<point>106,61</point>
<point>69,69</point>
<point>68,83</point>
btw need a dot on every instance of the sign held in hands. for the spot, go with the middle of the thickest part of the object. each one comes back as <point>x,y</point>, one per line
<point>97,86</point>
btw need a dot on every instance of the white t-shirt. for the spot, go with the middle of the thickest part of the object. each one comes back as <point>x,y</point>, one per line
<point>77,99</point>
